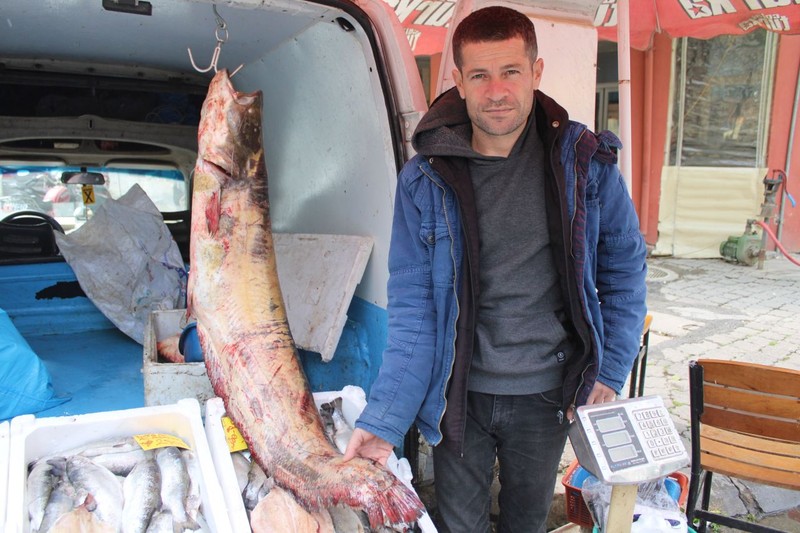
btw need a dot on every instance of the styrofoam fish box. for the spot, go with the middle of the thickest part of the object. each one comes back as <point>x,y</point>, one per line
<point>353,402</point>
<point>166,383</point>
<point>32,438</point>
<point>4,428</point>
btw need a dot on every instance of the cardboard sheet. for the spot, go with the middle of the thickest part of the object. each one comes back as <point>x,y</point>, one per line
<point>318,276</point>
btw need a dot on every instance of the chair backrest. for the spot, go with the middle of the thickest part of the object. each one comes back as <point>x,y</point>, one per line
<point>751,398</point>
<point>746,418</point>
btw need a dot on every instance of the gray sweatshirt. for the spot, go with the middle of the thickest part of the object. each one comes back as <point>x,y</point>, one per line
<point>521,345</point>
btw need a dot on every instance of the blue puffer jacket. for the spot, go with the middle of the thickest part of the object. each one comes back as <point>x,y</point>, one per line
<point>599,254</point>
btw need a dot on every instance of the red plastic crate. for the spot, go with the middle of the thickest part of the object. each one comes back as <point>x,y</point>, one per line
<point>578,512</point>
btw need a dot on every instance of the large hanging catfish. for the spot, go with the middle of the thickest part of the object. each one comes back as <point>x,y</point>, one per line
<point>249,352</point>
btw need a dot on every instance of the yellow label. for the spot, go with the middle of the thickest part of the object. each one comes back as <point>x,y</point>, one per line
<point>151,441</point>
<point>88,194</point>
<point>236,442</point>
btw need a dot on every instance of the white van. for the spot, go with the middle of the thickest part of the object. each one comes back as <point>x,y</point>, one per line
<point>109,86</point>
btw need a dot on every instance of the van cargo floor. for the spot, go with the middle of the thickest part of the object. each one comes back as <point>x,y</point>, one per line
<point>100,370</point>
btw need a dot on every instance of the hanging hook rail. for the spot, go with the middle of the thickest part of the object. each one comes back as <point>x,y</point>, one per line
<point>221,34</point>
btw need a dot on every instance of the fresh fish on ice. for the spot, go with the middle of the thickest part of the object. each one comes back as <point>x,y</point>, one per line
<point>121,463</point>
<point>326,414</point>
<point>341,430</point>
<point>63,499</point>
<point>97,482</point>
<point>258,486</point>
<point>40,484</point>
<point>142,496</point>
<point>250,355</point>
<point>174,485</point>
<point>241,467</point>
<point>193,496</point>
<point>93,449</point>
<point>346,520</point>
<point>161,522</point>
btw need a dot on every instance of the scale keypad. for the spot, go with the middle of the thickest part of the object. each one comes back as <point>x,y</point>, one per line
<point>655,427</point>
<point>627,441</point>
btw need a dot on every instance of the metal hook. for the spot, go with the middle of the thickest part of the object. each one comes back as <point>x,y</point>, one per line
<point>221,34</point>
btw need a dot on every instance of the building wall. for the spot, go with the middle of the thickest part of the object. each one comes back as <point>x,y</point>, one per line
<point>650,83</point>
<point>785,87</point>
<point>651,88</point>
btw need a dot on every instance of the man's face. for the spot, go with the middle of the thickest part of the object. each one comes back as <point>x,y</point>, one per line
<point>497,79</point>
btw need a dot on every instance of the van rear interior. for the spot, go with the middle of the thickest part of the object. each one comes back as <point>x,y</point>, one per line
<point>76,75</point>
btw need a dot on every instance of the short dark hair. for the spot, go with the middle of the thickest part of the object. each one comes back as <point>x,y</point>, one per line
<point>494,23</point>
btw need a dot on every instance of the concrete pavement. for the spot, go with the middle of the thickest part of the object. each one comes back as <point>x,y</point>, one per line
<point>709,308</point>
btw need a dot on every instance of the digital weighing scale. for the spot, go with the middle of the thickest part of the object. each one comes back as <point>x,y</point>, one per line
<point>624,443</point>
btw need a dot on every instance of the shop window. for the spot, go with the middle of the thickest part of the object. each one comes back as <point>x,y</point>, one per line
<point>606,107</point>
<point>721,99</point>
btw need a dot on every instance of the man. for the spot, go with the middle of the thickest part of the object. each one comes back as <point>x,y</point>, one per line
<point>517,283</point>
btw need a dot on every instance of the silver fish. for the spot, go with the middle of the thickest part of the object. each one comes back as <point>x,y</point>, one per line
<point>95,448</point>
<point>346,520</point>
<point>121,463</point>
<point>89,478</point>
<point>63,499</point>
<point>161,522</point>
<point>326,414</point>
<point>174,485</point>
<point>204,527</point>
<point>142,492</point>
<point>258,486</point>
<point>40,484</point>
<point>343,429</point>
<point>241,467</point>
<point>194,497</point>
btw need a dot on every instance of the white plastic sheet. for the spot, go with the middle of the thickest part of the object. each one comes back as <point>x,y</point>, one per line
<point>127,262</point>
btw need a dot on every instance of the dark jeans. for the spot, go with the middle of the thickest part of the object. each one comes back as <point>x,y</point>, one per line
<point>524,434</point>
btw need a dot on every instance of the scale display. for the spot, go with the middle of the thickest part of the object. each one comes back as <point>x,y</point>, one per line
<point>627,441</point>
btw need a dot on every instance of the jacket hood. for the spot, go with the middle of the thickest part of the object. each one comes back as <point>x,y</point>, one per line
<point>445,130</point>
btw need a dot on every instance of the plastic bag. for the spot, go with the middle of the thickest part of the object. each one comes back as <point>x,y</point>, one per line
<point>127,262</point>
<point>25,386</point>
<point>656,510</point>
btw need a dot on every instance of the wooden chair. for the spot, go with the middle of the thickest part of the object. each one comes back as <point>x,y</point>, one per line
<point>639,368</point>
<point>745,423</point>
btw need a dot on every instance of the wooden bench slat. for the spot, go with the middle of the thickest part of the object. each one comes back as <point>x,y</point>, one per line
<point>752,376</point>
<point>752,402</point>
<point>755,425</point>
<point>752,442</point>
<point>778,478</point>
<point>750,456</point>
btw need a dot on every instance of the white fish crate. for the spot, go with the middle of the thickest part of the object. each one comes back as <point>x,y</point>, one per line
<point>32,438</point>
<point>353,402</point>
<point>166,383</point>
<point>4,443</point>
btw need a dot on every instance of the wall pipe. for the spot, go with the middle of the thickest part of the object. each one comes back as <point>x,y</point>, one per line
<point>768,231</point>
<point>647,151</point>
<point>789,150</point>
<point>624,77</point>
